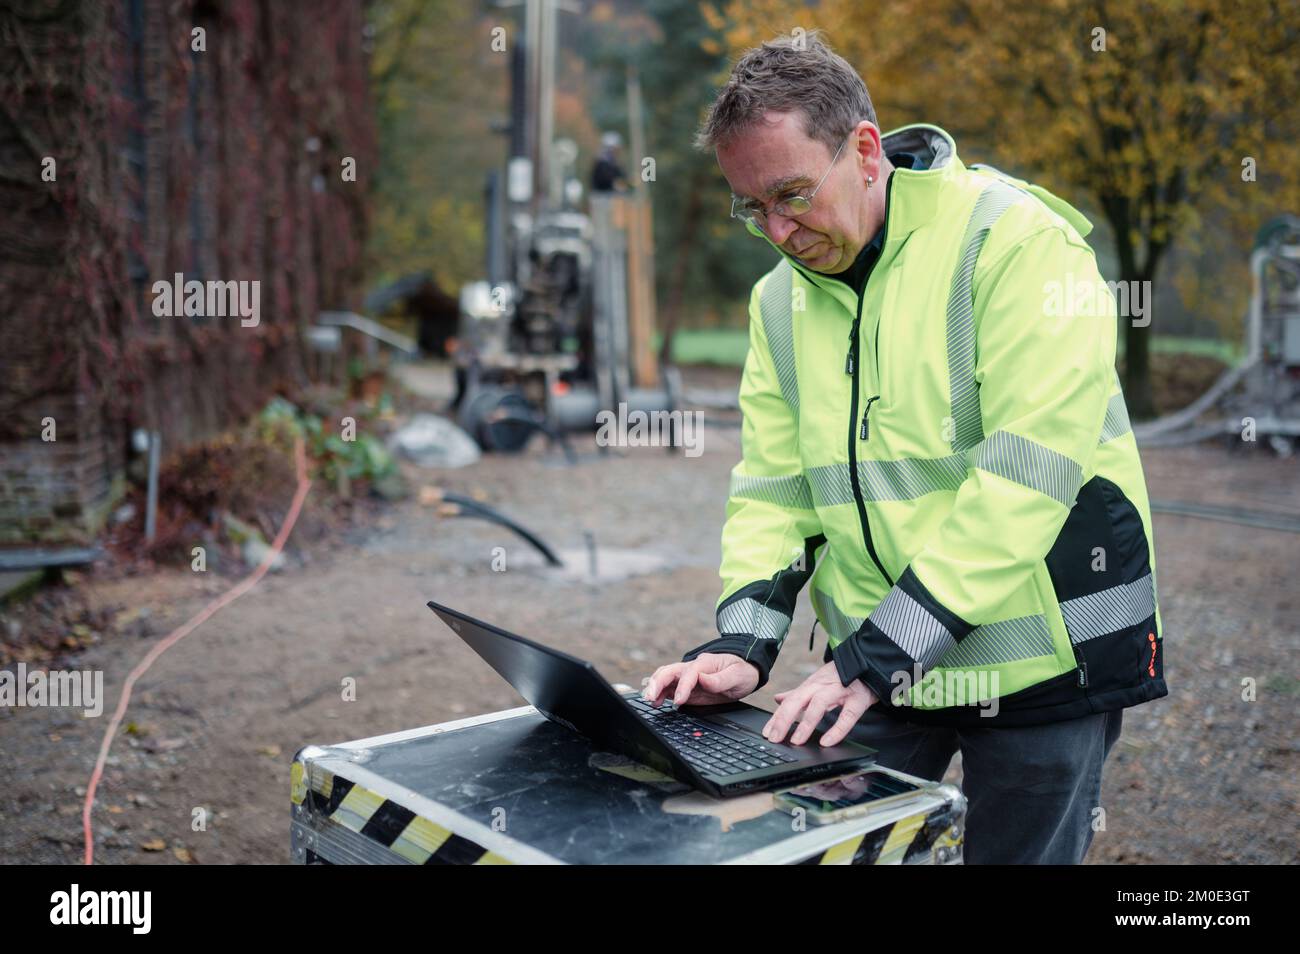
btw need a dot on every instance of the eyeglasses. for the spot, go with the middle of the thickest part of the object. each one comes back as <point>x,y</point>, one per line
<point>747,210</point>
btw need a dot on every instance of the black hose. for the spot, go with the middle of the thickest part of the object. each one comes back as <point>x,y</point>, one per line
<point>472,508</point>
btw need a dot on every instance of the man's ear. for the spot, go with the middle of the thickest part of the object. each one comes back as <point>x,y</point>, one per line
<point>870,150</point>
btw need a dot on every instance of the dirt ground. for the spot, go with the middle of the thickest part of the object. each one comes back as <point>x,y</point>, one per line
<point>1198,777</point>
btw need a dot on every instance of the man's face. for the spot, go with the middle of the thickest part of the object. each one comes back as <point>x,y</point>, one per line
<point>773,159</point>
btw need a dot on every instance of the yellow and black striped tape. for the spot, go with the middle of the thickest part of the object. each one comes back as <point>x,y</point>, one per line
<point>391,825</point>
<point>899,843</point>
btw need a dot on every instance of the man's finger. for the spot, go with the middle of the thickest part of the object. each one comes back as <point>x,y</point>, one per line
<point>812,715</point>
<point>850,713</point>
<point>652,685</point>
<point>786,713</point>
<point>714,682</point>
<point>661,679</point>
<point>686,681</point>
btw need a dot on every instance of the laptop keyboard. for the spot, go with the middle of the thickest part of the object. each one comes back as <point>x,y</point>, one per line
<point>704,747</point>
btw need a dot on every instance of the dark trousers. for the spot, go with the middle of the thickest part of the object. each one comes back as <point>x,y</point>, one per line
<point>1031,791</point>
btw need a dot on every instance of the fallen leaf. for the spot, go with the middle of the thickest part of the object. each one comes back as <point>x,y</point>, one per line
<point>272,751</point>
<point>153,844</point>
<point>183,854</point>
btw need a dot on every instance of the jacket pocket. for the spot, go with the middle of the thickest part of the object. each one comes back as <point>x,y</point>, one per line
<point>1101,573</point>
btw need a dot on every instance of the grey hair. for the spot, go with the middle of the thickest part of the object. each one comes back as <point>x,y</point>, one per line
<point>789,73</point>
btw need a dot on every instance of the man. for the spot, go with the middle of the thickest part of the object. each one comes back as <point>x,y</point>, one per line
<point>941,449</point>
<point>606,173</point>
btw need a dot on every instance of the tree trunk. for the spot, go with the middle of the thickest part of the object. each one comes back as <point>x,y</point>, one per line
<point>1138,395</point>
<point>1137,369</point>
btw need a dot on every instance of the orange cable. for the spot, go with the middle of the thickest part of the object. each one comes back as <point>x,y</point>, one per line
<point>181,632</point>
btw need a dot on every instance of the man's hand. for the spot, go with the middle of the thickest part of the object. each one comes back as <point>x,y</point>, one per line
<point>708,679</point>
<point>818,694</point>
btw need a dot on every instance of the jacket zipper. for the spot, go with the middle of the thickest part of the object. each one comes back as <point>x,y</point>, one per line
<point>852,366</point>
<point>853,446</point>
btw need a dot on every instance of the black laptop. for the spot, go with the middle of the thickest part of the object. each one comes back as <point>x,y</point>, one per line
<point>717,749</point>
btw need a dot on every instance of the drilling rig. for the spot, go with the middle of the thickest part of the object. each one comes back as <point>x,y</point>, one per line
<point>560,326</point>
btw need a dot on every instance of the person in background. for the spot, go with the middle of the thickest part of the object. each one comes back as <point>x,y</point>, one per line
<point>606,174</point>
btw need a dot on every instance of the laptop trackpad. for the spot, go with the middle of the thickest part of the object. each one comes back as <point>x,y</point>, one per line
<point>745,717</point>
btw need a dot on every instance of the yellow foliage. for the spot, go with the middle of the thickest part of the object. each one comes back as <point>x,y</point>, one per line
<point>1151,130</point>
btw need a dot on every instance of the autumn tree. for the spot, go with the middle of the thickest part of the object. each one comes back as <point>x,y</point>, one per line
<point>438,81</point>
<point>1158,116</point>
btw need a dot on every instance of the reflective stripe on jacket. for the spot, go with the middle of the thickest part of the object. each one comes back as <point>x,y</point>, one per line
<point>946,459</point>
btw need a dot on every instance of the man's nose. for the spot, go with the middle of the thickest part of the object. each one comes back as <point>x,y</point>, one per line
<point>780,228</point>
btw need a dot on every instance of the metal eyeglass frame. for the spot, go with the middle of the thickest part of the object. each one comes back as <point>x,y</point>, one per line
<point>794,205</point>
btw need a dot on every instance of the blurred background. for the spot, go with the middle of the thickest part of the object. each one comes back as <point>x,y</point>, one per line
<point>429,241</point>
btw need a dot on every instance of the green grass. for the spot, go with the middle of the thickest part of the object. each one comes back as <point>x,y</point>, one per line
<point>725,346</point>
<point>728,346</point>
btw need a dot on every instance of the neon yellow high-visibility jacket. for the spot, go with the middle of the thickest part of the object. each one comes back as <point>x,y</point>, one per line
<point>946,458</point>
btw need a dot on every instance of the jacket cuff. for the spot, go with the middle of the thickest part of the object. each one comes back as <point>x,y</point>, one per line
<point>761,652</point>
<point>867,656</point>
<point>903,639</point>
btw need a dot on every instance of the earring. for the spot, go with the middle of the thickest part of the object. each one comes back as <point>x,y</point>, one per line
<point>870,180</point>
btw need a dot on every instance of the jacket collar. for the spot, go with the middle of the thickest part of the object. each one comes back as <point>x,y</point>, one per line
<point>911,198</point>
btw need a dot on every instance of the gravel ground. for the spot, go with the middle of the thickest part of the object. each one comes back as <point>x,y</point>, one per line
<point>1198,777</point>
